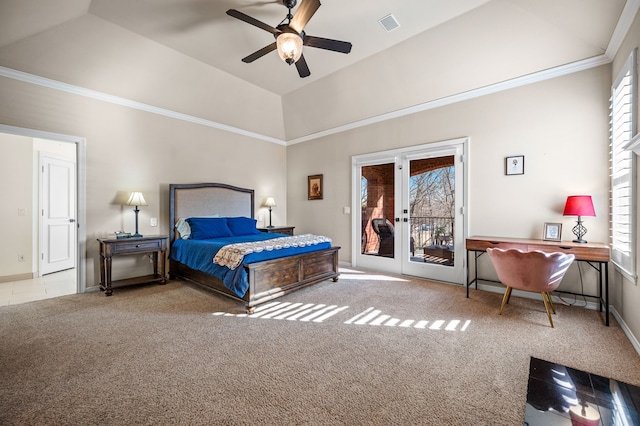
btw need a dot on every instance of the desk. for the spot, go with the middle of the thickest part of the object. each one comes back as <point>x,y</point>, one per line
<point>597,255</point>
<point>109,247</point>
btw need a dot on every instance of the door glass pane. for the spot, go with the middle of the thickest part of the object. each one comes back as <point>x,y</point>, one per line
<point>431,210</point>
<point>377,199</point>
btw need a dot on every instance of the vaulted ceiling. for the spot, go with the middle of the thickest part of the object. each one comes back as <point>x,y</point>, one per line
<point>440,48</point>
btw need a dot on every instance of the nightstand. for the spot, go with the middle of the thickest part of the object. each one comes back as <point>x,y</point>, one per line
<point>278,229</point>
<point>109,247</point>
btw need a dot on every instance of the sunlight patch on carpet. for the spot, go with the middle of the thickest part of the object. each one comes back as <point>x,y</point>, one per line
<point>313,312</point>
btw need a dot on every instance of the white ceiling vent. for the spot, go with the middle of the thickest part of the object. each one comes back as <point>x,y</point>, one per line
<point>389,22</point>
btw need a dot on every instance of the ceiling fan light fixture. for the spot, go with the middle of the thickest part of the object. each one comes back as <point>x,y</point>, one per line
<point>289,47</point>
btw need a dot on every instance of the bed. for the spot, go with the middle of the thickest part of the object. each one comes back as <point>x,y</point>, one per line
<point>265,279</point>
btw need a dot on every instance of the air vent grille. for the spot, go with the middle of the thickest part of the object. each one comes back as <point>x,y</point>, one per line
<point>389,22</point>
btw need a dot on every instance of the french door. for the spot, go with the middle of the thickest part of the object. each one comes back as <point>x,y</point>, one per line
<point>409,211</point>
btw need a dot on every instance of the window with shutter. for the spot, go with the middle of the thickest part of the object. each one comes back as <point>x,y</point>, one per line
<point>622,167</point>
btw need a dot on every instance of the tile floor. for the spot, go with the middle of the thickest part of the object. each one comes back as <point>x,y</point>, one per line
<point>45,287</point>
<point>555,390</point>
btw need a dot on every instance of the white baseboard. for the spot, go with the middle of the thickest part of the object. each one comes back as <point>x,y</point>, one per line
<point>19,277</point>
<point>626,329</point>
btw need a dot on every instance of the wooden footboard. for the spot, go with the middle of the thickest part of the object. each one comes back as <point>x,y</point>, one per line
<point>272,278</point>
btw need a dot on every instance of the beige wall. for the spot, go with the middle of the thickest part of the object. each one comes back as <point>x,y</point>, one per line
<point>16,183</point>
<point>560,126</point>
<point>128,149</point>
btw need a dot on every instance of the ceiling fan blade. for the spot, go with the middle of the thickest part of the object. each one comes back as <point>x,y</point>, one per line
<point>327,44</point>
<point>303,68</point>
<point>253,21</point>
<point>260,53</point>
<point>304,13</point>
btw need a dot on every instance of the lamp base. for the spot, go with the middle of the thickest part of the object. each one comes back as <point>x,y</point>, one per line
<point>139,236</point>
<point>579,231</point>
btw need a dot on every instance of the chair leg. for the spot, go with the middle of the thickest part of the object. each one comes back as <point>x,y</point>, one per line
<point>553,308</point>
<point>505,299</point>
<point>546,305</point>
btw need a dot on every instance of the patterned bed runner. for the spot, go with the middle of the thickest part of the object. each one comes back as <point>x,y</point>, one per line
<point>232,255</point>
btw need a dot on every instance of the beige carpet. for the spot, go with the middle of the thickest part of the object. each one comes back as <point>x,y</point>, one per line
<point>382,350</point>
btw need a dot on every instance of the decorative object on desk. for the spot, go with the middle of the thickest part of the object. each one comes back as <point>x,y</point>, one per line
<point>270,203</point>
<point>314,187</point>
<point>136,199</point>
<point>552,231</point>
<point>579,205</point>
<point>514,165</point>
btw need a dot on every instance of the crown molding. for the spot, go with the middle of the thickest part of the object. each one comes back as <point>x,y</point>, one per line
<point>622,28</point>
<point>464,96</point>
<point>117,100</point>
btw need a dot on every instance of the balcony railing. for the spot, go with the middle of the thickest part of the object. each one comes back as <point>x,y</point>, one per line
<point>431,230</point>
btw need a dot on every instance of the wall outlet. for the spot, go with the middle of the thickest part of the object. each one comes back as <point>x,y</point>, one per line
<point>154,221</point>
<point>21,258</point>
<point>346,210</point>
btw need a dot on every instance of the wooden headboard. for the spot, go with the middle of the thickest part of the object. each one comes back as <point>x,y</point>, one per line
<point>204,199</point>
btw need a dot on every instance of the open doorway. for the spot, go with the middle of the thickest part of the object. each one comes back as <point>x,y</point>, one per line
<point>33,152</point>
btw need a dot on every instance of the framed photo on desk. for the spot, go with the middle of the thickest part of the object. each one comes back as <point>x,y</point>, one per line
<point>552,231</point>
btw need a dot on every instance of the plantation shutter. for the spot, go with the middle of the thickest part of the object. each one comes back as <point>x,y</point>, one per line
<point>622,121</point>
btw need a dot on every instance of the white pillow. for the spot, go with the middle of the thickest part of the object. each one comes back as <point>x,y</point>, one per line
<point>183,228</point>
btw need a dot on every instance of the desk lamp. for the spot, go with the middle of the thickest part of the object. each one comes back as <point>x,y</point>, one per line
<point>579,205</point>
<point>270,202</point>
<point>136,199</point>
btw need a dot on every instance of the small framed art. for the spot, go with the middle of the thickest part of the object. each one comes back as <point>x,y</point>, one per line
<point>552,231</point>
<point>314,187</point>
<point>514,165</point>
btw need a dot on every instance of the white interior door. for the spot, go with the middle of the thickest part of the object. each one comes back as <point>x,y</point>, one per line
<point>409,211</point>
<point>58,223</point>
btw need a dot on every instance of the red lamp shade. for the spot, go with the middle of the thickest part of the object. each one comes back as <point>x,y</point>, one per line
<point>579,205</point>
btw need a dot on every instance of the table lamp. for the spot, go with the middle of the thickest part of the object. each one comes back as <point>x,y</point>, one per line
<point>136,199</point>
<point>270,202</point>
<point>579,205</point>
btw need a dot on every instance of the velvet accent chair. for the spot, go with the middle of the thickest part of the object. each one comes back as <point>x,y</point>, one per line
<point>533,271</point>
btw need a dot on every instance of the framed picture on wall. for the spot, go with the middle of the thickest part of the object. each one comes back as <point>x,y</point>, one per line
<point>514,165</point>
<point>552,231</point>
<point>314,187</point>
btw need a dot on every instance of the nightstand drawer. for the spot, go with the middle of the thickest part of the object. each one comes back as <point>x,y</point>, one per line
<point>136,247</point>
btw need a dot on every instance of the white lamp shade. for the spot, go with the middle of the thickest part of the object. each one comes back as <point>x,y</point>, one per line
<point>289,47</point>
<point>270,202</point>
<point>136,199</point>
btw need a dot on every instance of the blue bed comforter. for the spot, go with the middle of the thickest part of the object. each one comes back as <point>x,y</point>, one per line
<point>199,254</point>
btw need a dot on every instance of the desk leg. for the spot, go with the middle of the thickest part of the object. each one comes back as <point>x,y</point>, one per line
<point>468,266</point>
<point>606,292</point>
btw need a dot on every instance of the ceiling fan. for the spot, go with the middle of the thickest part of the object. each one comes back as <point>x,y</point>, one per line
<point>290,36</point>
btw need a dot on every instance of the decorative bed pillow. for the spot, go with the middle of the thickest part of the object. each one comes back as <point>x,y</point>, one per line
<point>204,228</point>
<point>183,228</point>
<point>242,225</point>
